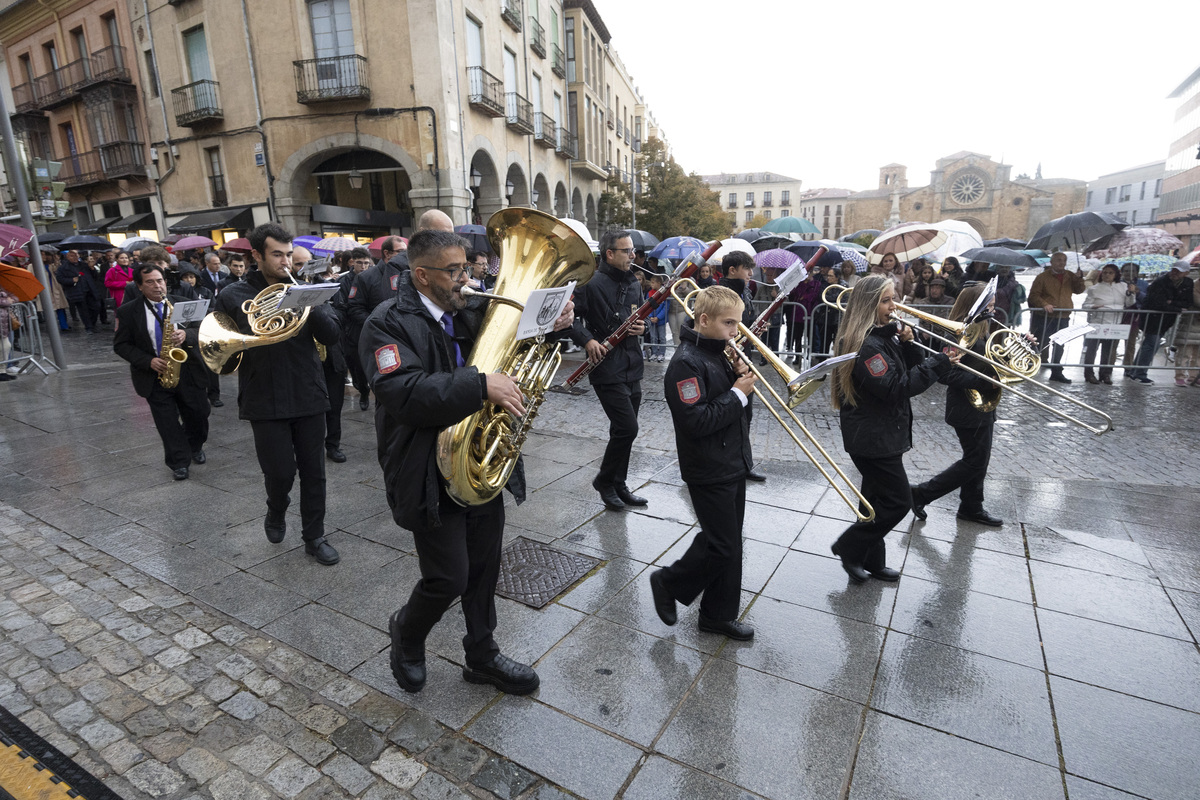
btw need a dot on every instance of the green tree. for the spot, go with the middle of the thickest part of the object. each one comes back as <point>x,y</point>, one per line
<point>759,220</point>
<point>674,203</point>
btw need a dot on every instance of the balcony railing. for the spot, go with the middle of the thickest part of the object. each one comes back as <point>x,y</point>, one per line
<point>512,13</point>
<point>320,80</point>
<point>537,37</point>
<point>61,85</point>
<point>608,116</point>
<point>24,98</point>
<point>485,91</point>
<point>568,145</point>
<point>766,203</point>
<point>545,130</point>
<point>196,103</point>
<point>109,64</point>
<point>620,129</point>
<point>107,162</point>
<point>785,201</point>
<point>627,136</point>
<point>558,61</point>
<point>519,113</point>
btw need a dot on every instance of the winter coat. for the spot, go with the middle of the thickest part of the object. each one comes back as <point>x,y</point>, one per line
<point>1163,295</point>
<point>1056,291</point>
<point>115,280</point>
<point>1101,296</point>
<point>1188,330</point>
<point>70,278</point>
<point>601,305</point>
<point>372,287</point>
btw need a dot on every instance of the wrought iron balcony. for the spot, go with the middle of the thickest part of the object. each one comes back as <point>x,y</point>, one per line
<point>512,13</point>
<point>24,98</point>
<point>558,61</point>
<point>568,145</point>
<point>608,116</point>
<point>109,65</point>
<point>537,37</point>
<point>197,103</point>
<point>485,91</point>
<point>766,203</point>
<point>519,113</point>
<point>61,85</point>
<point>320,80</point>
<point>545,130</point>
<point>107,162</point>
<point>620,129</point>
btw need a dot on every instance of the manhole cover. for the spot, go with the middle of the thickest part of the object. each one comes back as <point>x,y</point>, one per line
<point>534,574</point>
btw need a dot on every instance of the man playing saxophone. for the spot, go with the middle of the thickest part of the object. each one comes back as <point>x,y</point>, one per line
<point>281,391</point>
<point>144,335</point>
<point>414,348</point>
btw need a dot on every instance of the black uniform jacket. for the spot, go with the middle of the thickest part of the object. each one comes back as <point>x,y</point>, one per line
<point>419,392</point>
<point>959,411</point>
<point>182,290</point>
<point>601,305</point>
<point>712,434</point>
<point>1161,296</point>
<point>283,380</point>
<point>746,291</point>
<point>371,287</point>
<point>886,375</point>
<point>134,343</point>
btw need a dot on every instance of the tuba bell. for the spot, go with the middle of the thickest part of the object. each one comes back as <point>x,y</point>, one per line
<point>537,251</point>
<point>220,338</point>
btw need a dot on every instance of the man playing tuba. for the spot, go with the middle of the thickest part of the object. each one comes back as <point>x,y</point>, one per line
<point>281,391</point>
<point>415,348</point>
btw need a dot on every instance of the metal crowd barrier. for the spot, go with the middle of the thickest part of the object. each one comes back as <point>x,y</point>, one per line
<point>28,351</point>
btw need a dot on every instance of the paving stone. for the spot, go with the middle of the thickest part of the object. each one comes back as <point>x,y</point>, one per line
<point>456,755</point>
<point>200,765</point>
<point>78,629</point>
<point>46,647</point>
<point>135,604</point>
<point>100,734</point>
<point>219,688</point>
<point>148,722</point>
<point>64,744</point>
<point>261,683</point>
<point>274,722</point>
<point>54,698</point>
<point>255,646</point>
<point>167,746</point>
<point>152,645</point>
<point>117,659</point>
<point>122,755</point>
<point>234,785</point>
<point>173,657</point>
<point>66,661</point>
<point>258,755</point>
<point>155,779</point>
<point>385,791</point>
<point>292,776</point>
<point>416,731</point>
<point>192,713</point>
<point>135,632</point>
<point>348,773</point>
<point>139,680</point>
<point>243,705</point>
<point>503,778</point>
<point>169,690</point>
<point>36,681</point>
<point>398,769</point>
<point>312,675</point>
<point>378,710</point>
<point>191,638</point>
<point>309,746</point>
<point>195,672</point>
<point>229,634</point>
<point>236,666</point>
<point>290,699</point>
<point>120,707</point>
<point>436,787</point>
<point>225,732</point>
<point>343,691</point>
<point>358,741</point>
<point>285,661</point>
<point>76,714</point>
<point>100,689</point>
<point>321,719</point>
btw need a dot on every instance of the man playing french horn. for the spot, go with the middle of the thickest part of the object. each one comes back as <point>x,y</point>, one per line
<point>415,348</point>
<point>144,335</point>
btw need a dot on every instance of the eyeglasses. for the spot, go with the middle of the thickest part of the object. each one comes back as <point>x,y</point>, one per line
<point>627,250</point>
<point>455,272</point>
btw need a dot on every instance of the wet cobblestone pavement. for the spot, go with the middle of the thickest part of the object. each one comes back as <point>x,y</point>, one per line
<point>149,630</point>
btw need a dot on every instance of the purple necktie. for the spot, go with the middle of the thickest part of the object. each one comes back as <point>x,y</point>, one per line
<point>158,330</point>
<point>448,324</point>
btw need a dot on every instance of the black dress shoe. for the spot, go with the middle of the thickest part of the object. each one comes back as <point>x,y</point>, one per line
<point>612,500</point>
<point>216,402</point>
<point>628,497</point>
<point>1058,377</point>
<point>180,474</point>
<point>322,551</point>
<point>408,668</point>
<point>918,504</point>
<point>756,476</point>
<point>885,574</point>
<point>505,674</point>
<point>855,571</point>
<point>335,455</point>
<point>364,403</point>
<point>731,628</point>
<point>276,526</point>
<point>982,517</point>
<point>664,604</point>
<point>199,457</point>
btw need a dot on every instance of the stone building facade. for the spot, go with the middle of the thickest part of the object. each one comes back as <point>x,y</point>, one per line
<point>1179,208</point>
<point>970,187</point>
<point>1132,195</point>
<point>745,195</point>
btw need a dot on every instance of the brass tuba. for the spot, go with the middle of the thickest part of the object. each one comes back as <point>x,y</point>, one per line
<point>220,338</point>
<point>537,251</point>
<point>174,356</point>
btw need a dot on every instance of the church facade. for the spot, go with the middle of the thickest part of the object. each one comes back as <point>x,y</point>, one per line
<point>970,187</point>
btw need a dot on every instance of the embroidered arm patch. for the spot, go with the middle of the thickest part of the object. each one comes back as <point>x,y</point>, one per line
<point>395,282</point>
<point>353,292</point>
<point>689,390</point>
<point>877,365</point>
<point>387,359</point>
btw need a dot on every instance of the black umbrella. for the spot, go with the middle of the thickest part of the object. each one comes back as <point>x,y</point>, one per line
<point>849,237</point>
<point>643,240</point>
<point>50,237</point>
<point>476,236</point>
<point>807,250</point>
<point>1000,255</point>
<point>762,240</point>
<point>83,242</point>
<point>1074,231</point>
<point>1014,244</point>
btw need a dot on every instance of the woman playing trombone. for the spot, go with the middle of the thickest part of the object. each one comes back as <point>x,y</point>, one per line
<point>872,393</point>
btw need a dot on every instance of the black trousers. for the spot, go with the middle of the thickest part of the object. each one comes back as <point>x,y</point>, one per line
<point>1043,327</point>
<point>885,485</point>
<point>967,473</point>
<point>357,375</point>
<point>620,402</point>
<point>461,559</point>
<point>181,418</point>
<point>1108,355</point>
<point>335,384</point>
<point>712,565</point>
<point>214,384</point>
<point>288,446</point>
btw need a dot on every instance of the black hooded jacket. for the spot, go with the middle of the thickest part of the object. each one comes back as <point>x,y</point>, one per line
<point>601,305</point>
<point>371,287</point>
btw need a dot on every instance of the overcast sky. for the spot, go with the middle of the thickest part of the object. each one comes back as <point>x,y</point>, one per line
<point>828,92</point>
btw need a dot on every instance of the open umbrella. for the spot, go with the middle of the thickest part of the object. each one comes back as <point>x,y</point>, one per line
<point>1075,230</point>
<point>961,237</point>
<point>375,248</point>
<point>136,243</point>
<point>806,250</point>
<point>1149,264</point>
<point>777,260</point>
<point>20,283</point>
<point>856,258</point>
<point>476,235</point>
<point>762,240</point>
<point>574,225</point>
<point>1132,242</point>
<point>13,237</point>
<point>1012,244</point>
<point>193,243</point>
<point>239,245</point>
<point>1000,255</point>
<point>172,238</point>
<point>83,242</point>
<point>677,247</point>
<point>855,246</point>
<point>642,240</point>
<point>333,244</point>
<point>868,231</point>
<point>908,241</point>
<point>731,246</point>
<point>306,241</point>
<point>790,225</point>
<point>50,237</point>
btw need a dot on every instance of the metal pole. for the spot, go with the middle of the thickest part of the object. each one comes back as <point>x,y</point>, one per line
<point>17,177</point>
<point>634,201</point>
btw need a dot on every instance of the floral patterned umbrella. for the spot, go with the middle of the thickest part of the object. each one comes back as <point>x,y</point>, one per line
<point>854,257</point>
<point>1132,242</point>
<point>1149,264</point>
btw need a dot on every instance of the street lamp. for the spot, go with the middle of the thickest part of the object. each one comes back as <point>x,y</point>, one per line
<point>509,189</point>
<point>476,177</point>
<point>355,178</point>
<point>534,197</point>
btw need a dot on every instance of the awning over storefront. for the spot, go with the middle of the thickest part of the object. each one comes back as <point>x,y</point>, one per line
<point>238,218</point>
<point>98,227</point>
<point>359,217</point>
<point>135,222</point>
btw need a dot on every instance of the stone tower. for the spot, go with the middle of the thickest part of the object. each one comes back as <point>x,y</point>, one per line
<point>893,176</point>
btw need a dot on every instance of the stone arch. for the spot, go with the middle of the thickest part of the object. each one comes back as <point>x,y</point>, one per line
<point>520,186</point>
<point>488,197</point>
<point>590,219</point>
<point>979,226</point>
<point>577,205</point>
<point>544,200</point>
<point>560,200</point>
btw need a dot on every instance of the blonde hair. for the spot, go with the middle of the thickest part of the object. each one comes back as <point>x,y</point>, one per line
<point>714,300</point>
<point>857,321</point>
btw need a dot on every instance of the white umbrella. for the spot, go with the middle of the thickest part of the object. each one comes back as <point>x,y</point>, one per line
<point>731,246</point>
<point>136,243</point>
<point>908,241</point>
<point>582,230</point>
<point>962,237</point>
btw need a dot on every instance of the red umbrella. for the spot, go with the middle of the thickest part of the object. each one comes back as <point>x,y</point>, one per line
<point>13,237</point>
<point>194,243</point>
<point>21,283</point>
<point>239,245</point>
<point>171,238</point>
<point>375,248</point>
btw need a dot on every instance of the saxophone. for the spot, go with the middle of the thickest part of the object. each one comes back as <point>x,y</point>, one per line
<point>174,356</point>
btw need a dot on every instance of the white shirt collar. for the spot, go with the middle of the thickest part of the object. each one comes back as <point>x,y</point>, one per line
<point>432,307</point>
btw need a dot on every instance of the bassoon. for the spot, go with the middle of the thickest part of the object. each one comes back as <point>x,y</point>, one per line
<point>760,324</point>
